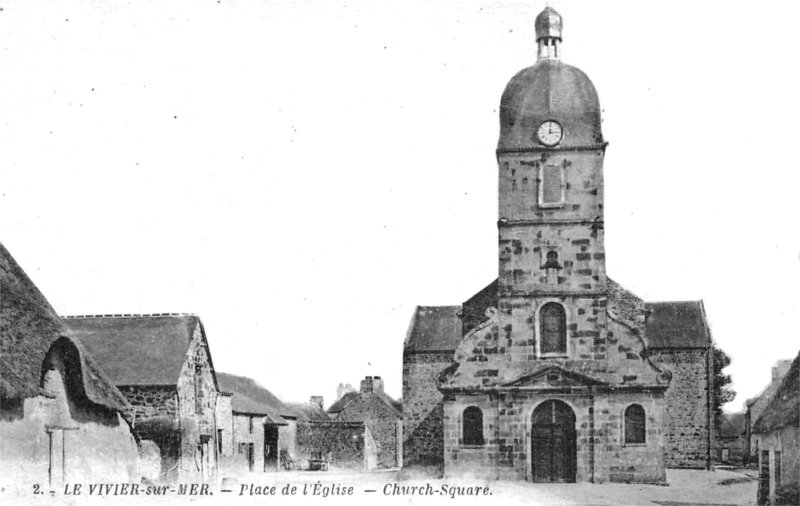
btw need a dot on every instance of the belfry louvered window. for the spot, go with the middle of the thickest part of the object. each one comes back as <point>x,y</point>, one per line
<point>634,424</point>
<point>553,329</point>
<point>551,186</point>
<point>472,426</point>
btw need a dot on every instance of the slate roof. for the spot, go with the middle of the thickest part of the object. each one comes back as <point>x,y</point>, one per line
<point>338,406</point>
<point>434,328</point>
<point>731,425</point>
<point>783,409</point>
<point>349,397</point>
<point>28,327</point>
<point>138,350</point>
<point>251,398</point>
<point>676,325</point>
<point>307,412</point>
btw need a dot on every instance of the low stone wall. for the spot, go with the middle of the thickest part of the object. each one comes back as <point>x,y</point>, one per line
<point>347,443</point>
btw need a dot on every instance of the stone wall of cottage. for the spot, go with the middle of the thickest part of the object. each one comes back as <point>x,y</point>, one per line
<point>423,436</point>
<point>350,444</point>
<point>151,402</point>
<point>687,437</point>
<point>602,455</point>
<point>197,401</point>
<point>249,429</point>
<point>778,446</point>
<point>224,416</point>
<point>381,421</point>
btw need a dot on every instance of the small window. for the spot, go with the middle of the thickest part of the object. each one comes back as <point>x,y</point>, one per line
<point>634,424</point>
<point>473,426</point>
<point>219,441</point>
<point>551,187</point>
<point>553,329</point>
<point>250,424</point>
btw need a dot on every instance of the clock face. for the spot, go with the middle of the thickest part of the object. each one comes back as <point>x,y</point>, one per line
<point>550,133</point>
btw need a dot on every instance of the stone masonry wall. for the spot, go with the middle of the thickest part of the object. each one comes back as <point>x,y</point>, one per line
<point>601,452</point>
<point>224,416</point>
<point>346,442</point>
<point>249,429</point>
<point>687,422</point>
<point>198,426</point>
<point>423,437</point>
<point>381,421</point>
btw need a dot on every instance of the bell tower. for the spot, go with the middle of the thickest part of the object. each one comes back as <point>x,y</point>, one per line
<point>550,164</point>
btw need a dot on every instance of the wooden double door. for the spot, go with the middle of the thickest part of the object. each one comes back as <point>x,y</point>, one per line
<point>553,443</point>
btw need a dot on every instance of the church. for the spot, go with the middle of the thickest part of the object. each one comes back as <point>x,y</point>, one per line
<point>554,372</point>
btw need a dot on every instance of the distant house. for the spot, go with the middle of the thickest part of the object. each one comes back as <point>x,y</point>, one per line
<point>777,434</point>
<point>730,445</point>
<point>162,364</point>
<point>61,418</point>
<point>249,437</point>
<point>757,404</point>
<point>382,415</point>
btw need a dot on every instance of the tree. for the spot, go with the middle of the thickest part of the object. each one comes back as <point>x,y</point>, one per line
<point>723,394</point>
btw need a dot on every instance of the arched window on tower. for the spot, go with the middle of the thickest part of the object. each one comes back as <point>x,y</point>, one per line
<point>634,424</point>
<point>472,426</point>
<point>553,329</point>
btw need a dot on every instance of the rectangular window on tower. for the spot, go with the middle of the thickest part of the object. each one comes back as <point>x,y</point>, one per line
<point>551,186</point>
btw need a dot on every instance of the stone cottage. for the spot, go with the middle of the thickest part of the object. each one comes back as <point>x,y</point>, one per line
<point>777,435</point>
<point>61,418</point>
<point>298,415</point>
<point>729,441</point>
<point>382,415</point>
<point>248,437</point>
<point>551,373</point>
<point>757,405</point>
<point>162,365</point>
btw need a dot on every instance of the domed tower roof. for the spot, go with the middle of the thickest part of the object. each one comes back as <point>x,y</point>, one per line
<point>549,90</point>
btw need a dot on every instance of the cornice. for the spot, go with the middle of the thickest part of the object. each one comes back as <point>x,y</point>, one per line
<point>504,223</point>
<point>556,149</point>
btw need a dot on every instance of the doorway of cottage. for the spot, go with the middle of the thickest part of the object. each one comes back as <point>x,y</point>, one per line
<point>553,443</point>
<point>270,447</point>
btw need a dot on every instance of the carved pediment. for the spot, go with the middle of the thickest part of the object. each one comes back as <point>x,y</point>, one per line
<point>554,377</point>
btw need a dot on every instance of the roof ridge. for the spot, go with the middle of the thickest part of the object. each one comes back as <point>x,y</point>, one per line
<point>125,315</point>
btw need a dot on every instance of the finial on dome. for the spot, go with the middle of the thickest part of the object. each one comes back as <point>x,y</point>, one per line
<point>548,33</point>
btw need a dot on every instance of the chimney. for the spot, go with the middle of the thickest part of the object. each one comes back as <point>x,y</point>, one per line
<point>371,385</point>
<point>318,400</point>
<point>343,389</point>
<point>366,385</point>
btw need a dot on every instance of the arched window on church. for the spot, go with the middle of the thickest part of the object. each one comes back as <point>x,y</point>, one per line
<point>472,426</point>
<point>553,329</point>
<point>634,424</point>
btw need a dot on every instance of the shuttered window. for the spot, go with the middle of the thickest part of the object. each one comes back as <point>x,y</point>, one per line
<point>551,189</point>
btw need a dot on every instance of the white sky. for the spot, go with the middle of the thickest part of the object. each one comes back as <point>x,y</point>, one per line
<point>302,174</point>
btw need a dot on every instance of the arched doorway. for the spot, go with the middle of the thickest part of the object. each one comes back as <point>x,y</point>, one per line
<point>553,448</point>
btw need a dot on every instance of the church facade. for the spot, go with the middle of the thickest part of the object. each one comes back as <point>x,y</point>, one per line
<point>550,377</point>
